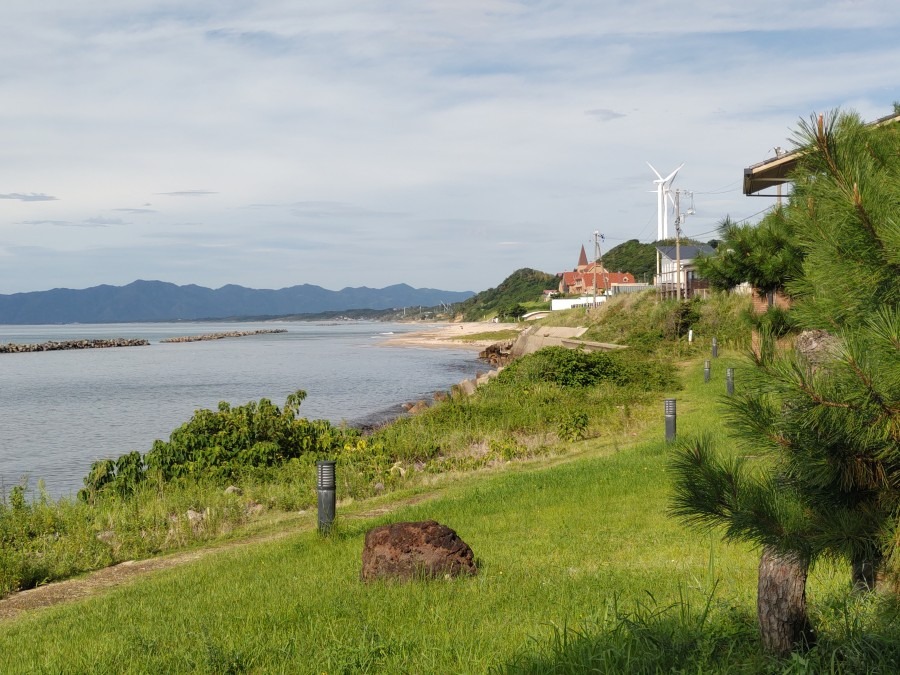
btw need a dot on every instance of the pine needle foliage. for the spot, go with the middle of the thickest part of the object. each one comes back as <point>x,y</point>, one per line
<point>820,438</point>
<point>846,214</point>
<point>765,255</point>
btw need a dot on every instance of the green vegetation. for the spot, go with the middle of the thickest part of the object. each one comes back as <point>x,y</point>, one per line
<point>636,258</point>
<point>554,472</point>
<point>580,570</point>
<point>574,368</point>
<point>633,257</point>
<point>522,287</point>
<point>138,505</point>
<point>765,255</point>
<point>823,426</point>
<point>495,335</point>
<point>653,327</point>
<point>221,445</point>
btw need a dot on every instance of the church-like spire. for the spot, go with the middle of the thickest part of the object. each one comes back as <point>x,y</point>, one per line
<point>582,259</point>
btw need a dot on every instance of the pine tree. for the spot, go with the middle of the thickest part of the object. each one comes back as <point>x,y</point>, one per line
<point>767,256</point>
<point>824,428</point>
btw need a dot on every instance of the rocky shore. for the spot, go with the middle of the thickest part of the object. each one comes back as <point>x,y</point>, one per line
<point>52,346</point>
<point>219,336</point>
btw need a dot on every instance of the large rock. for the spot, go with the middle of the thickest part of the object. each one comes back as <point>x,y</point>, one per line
<point>407,551</point>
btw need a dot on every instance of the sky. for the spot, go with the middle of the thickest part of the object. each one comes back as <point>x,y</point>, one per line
<point>437,143</point>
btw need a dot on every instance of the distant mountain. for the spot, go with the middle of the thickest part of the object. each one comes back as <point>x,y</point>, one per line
<point>161,301</point>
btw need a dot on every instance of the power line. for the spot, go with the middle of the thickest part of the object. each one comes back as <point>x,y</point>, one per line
<point>744,220</point>
<point>731,187</point>
<point>736,222</point>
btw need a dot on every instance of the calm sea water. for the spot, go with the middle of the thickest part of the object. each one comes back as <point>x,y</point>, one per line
<point>62,410</point>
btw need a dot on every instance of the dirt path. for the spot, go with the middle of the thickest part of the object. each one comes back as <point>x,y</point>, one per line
<point>94,583</point>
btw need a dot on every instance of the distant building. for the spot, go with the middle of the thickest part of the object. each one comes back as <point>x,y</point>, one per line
<point>583,301</point>
<point>671,277</point>
<point>588,277</point>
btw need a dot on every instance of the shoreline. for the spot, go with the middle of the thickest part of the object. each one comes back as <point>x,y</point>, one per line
<point>448,335</point>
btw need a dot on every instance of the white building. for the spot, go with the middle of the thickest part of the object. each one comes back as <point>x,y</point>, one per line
<point>671,278</point>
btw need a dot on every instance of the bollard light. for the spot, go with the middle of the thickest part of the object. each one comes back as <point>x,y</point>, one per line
<point>707,370</point>
<point>670,419</point>
<point>729,381</point>
<point>325,487</point>
<point>715,348</point>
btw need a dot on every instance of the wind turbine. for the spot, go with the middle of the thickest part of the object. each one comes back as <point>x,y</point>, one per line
<point>662,194</point>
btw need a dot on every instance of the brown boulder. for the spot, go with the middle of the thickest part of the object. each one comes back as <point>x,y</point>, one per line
<point>418,407</point>
<point>407,551</point>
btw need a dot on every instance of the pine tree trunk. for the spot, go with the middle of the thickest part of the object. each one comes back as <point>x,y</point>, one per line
<point>781,603</point>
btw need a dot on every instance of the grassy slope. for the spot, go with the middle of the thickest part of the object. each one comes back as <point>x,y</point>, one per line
<point>558,543</point>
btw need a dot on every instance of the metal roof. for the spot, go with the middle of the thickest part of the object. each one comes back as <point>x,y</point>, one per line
<point>773,172</point>
<point>688,251</point>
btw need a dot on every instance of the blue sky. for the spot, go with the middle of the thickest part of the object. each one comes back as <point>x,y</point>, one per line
<point>440,143</point>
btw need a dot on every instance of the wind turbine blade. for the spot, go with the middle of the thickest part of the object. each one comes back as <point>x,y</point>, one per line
<point>654,171</point>
<point>671,176</point>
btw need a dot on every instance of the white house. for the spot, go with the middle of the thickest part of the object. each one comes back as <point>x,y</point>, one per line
<point>670,277</point>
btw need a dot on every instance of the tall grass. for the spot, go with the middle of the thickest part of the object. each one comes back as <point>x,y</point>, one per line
<point>660,327</point>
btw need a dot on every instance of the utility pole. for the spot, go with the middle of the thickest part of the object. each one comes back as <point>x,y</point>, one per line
<point>679,218</point>
<point>778,153</point>
<point>599,238</point>
<point>598,256</point>
<point>678,244</point>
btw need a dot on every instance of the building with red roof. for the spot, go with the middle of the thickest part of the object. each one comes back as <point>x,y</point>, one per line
<point>590,276</point>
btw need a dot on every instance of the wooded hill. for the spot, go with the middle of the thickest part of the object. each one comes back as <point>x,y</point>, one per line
<point>639,259</point>
<point>524,285</point>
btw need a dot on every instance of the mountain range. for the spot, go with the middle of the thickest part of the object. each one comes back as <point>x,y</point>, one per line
<point>163,301</point>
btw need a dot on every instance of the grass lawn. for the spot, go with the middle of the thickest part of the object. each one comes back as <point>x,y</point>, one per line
<point>579,567</point>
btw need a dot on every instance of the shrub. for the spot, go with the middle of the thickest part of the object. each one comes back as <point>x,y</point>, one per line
<point>220,445</point>
<point>574,368</point>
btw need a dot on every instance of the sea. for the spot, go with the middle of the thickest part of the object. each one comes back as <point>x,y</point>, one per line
<point>62,410</point>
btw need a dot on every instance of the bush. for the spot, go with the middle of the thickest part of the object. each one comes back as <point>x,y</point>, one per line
<point>574,368</point>
<point>220,445</point>
<point>775,321</point>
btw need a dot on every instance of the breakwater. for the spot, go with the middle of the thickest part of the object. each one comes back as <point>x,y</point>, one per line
<point>53,345</point>
<point>228,334</point>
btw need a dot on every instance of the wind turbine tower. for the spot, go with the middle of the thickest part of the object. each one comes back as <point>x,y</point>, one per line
<point>663,194</point>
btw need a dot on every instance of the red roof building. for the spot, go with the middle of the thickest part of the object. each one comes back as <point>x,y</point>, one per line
<point>586,277</point>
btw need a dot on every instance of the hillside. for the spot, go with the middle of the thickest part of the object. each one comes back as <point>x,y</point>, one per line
<point>161,301</point>
<point>637,258</point>
<point>524,285</point>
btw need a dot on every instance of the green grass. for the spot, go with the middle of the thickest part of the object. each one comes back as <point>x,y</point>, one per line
<point>496,335</point>
<point>555,545</point>
<point>580,569</point>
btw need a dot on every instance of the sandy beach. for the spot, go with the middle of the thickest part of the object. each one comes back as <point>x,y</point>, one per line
<point>451,335</point>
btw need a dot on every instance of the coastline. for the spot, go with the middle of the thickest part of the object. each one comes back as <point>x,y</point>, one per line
<point>449,335</point>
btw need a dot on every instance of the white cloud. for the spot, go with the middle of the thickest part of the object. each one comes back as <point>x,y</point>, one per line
<point>347,143</point>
